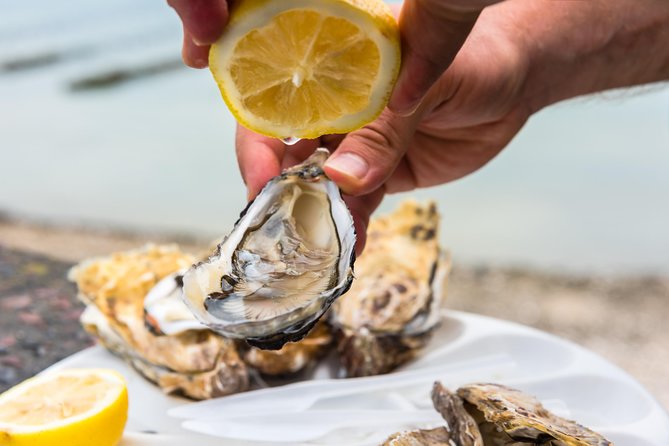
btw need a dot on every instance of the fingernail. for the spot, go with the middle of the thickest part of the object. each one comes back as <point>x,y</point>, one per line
<point>349,164</point>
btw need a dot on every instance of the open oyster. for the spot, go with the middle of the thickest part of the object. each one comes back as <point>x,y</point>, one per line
<point>393,306</point>
<point>288,257</point>
<point>165,313</point>
<point>496,415</point>
<point>199,364</point>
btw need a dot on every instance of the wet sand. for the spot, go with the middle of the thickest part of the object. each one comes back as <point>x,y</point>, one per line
<point>623,318</point>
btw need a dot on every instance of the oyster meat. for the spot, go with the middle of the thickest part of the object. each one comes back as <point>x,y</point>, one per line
<point>197,363</point>
<point>496,415</point>
<point>288,257</point>
<point>393,306</point>
<point>165,312</point>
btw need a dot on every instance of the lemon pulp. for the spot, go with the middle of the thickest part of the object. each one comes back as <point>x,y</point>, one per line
<point>54,401</point>
<point>303,68</point>
<point>74,407</point>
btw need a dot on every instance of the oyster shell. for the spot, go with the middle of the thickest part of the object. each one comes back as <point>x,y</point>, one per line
<point>199,364</point>
<point>289,256</point>
<point>393,306</point>
<point>461,425</point>
<point>460,430</point>
<point>507,416</point>
<point>496,415</point>
<point>438,436</point>
<point>166,313</point>
<point>294,356</point>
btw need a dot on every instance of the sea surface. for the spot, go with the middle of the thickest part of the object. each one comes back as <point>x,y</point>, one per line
<point>100,125</point>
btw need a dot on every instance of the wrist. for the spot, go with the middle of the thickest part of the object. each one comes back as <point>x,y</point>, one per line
<point>577,48</point>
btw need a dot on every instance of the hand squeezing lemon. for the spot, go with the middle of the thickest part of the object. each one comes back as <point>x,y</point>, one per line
<point>78,407</point>
<point>305,68</point>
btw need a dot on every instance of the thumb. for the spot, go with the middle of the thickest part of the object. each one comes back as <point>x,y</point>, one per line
<point>366,158</point>
<point>432,33</point>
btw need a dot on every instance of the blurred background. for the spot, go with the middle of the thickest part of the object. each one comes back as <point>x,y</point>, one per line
<point>107,140</point>
<point>101,125</point>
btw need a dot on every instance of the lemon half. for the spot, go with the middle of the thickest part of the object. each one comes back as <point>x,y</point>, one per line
<point>305,68</point>
<point>75,407</point>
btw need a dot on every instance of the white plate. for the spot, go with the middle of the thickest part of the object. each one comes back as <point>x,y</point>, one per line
<point>568,379</point>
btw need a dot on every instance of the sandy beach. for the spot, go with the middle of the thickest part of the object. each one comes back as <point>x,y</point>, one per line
<point>620,317</point>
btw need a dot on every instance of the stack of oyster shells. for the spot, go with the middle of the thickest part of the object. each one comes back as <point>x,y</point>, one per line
<point>134,308</point>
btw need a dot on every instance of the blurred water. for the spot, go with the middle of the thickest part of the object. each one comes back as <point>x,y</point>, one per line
<point>583,187</point>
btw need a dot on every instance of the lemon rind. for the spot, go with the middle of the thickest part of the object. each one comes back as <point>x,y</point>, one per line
<point>378,26</point>
<point>110,399</point>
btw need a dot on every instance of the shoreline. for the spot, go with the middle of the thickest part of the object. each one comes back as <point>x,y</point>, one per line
<point>619,317</point>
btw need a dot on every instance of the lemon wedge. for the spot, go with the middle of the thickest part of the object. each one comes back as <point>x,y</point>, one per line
<point>305,68</point>
<point>75,407</point>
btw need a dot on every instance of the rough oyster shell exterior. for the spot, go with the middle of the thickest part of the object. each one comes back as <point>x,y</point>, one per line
<point>461,429</point>
<point>198,364</point>
<point>461,425</point>
<point>496,415</point>
<point>389,313</point>
<point>508,416</point>
<point>438,436</point>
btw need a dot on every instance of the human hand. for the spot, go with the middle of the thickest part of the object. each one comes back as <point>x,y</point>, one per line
<point>432,33</point>
<point>520,57</point>
<point>470,114</point>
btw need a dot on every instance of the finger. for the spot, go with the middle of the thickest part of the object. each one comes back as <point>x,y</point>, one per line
<point>432,34</point>
<point>361,209</point>
<point>259,158</point>
<point>401,180</point>
<point>366,158</point>
<point>204,19</point>
<point>193,55</point>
